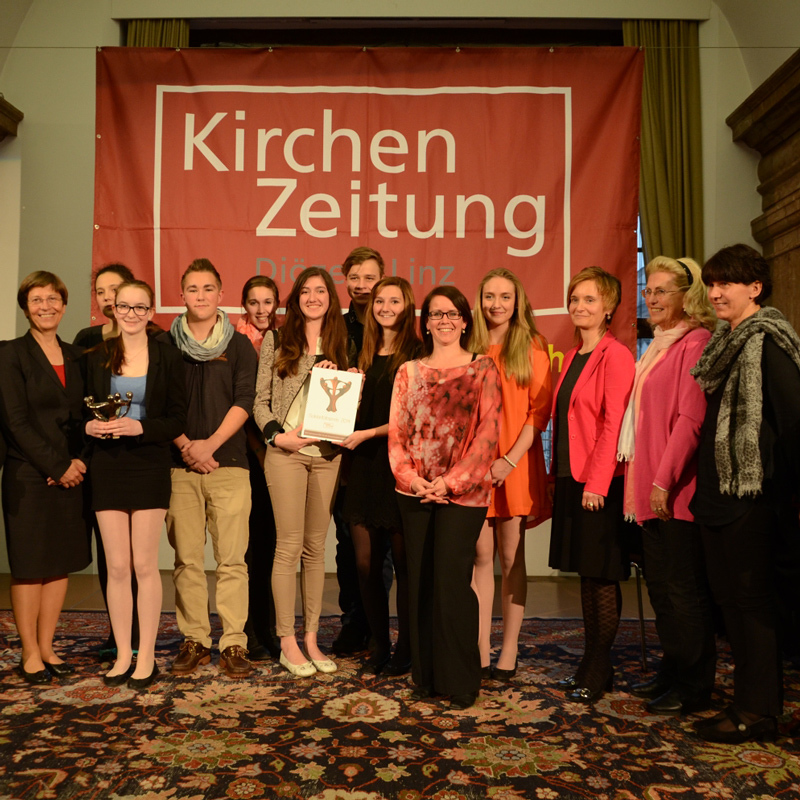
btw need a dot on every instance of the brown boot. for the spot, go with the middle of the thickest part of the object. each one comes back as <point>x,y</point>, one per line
<point>233,662</point>
<point>191,656</point>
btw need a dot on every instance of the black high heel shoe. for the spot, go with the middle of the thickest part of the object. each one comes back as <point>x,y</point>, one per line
<point>373,666</point>
<point>395,669</point>
<point>419,693</point>
<point>462,701</point>
<point>568,684</point>
<point>143,683</point>
<point>37,678</point>
<point>62,670</point>
<point>118,680</point>
<point>760,730</point>
<point>582,694</point>
<point>503,674</point>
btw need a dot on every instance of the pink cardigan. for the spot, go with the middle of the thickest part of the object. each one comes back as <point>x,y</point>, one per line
<point>596,408</point>
<point>671,411</point>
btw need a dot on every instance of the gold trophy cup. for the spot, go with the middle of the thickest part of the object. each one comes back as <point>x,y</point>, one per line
<point>112,407</point>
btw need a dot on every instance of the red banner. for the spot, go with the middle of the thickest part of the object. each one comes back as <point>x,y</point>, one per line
<point>450,163</point>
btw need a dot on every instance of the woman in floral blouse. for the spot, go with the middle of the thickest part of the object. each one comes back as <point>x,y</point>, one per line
<point>443,432</point>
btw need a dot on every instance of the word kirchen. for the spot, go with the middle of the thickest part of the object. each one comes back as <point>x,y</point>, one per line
<point>320,213</point>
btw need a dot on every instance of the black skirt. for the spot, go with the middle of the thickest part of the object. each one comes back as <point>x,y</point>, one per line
<point>595,544</point>
<point>126,474</point>
<point>47,530</point>
<point>371,498</point>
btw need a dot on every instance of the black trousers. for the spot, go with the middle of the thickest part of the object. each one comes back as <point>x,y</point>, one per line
<point>350,601</point>
<point>443,608</point>
<point>740,558</point>
<point>259,558</point>
<point>677,583</point>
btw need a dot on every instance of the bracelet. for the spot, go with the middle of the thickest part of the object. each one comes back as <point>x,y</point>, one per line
<point>513,465</point>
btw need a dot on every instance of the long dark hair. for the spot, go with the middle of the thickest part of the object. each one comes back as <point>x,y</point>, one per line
<point>406,343</point>
<point>293,332</point>
<point>114,348</point>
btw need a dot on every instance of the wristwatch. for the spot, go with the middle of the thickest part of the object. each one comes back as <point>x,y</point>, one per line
<point>271,439</point>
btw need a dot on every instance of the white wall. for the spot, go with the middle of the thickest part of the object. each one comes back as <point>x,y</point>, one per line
<point>766,33</point>
<point>730,198</point>
<point>47,173</point>
<point>10,203</point>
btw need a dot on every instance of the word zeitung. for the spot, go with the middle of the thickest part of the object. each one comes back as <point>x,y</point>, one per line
<point>387,205</point>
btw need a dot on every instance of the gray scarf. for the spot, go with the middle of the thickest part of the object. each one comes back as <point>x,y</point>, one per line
<point>733,357</point>
<point>213,347</point>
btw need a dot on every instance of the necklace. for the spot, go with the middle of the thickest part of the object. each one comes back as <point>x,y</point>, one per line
<point>129,357</point>
<point>583,350</point>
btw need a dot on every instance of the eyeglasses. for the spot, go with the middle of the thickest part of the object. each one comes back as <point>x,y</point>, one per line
<point>51,300</point>
<point>124,308</point>
<point>437,315</point>
<point>659,293</point>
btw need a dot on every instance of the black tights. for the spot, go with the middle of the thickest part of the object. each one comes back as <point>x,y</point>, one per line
<point>602,606</point>
<point>371,546</point>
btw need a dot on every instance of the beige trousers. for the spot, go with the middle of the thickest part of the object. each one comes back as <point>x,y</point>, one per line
<point>302,489</point>
<point>219,501</point>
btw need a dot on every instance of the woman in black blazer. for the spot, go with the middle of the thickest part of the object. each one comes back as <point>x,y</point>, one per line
<point>130,474</point>
<point>41,408</point>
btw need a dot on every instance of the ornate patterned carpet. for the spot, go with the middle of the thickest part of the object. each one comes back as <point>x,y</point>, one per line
<point>338,737</point>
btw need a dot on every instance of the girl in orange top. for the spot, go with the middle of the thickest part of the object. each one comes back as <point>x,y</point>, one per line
<point>505,330</point>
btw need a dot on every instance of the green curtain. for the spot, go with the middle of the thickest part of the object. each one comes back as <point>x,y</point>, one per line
<point>671,178</point>
<point>158,33</point>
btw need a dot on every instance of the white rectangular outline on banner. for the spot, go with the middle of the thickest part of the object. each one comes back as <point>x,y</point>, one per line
<point>162,89</point>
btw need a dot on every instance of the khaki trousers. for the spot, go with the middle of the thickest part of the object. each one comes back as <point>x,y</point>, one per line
<point>220,502</point>
<point>302,489</point>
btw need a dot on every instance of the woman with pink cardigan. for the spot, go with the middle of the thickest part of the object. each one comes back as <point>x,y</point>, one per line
<point>658,441</point>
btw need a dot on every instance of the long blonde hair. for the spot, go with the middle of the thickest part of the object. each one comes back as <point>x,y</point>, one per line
<point>522,333</point>
<point>695,303</point>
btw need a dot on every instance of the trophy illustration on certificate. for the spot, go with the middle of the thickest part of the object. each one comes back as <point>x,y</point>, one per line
<point>332,404</point>
<point>112,407</point>
<point>334,388</point>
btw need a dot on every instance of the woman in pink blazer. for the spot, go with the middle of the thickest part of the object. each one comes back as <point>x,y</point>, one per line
<point>587,534</point>
<point>658,442</point>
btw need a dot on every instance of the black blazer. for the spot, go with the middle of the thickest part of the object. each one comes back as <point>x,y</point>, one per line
<point>165,395</point>
<point>42,421</point>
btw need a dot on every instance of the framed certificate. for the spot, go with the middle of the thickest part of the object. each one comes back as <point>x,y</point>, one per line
<point>332,404</point>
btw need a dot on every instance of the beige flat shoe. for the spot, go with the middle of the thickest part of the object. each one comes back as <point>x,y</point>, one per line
<point>324,665</point>
<point>304,670</point>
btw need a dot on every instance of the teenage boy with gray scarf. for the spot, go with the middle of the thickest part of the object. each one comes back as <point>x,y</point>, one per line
<point>210,484</point>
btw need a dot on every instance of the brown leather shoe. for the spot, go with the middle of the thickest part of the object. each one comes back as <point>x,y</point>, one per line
<point>233,662</point>
<point>191,656</point>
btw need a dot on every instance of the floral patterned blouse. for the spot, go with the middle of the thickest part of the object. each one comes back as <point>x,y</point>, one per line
<point>446,422</point>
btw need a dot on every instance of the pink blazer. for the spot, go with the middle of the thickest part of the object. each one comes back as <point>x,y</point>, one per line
<point>596,408</point>
<point>671,411</point>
